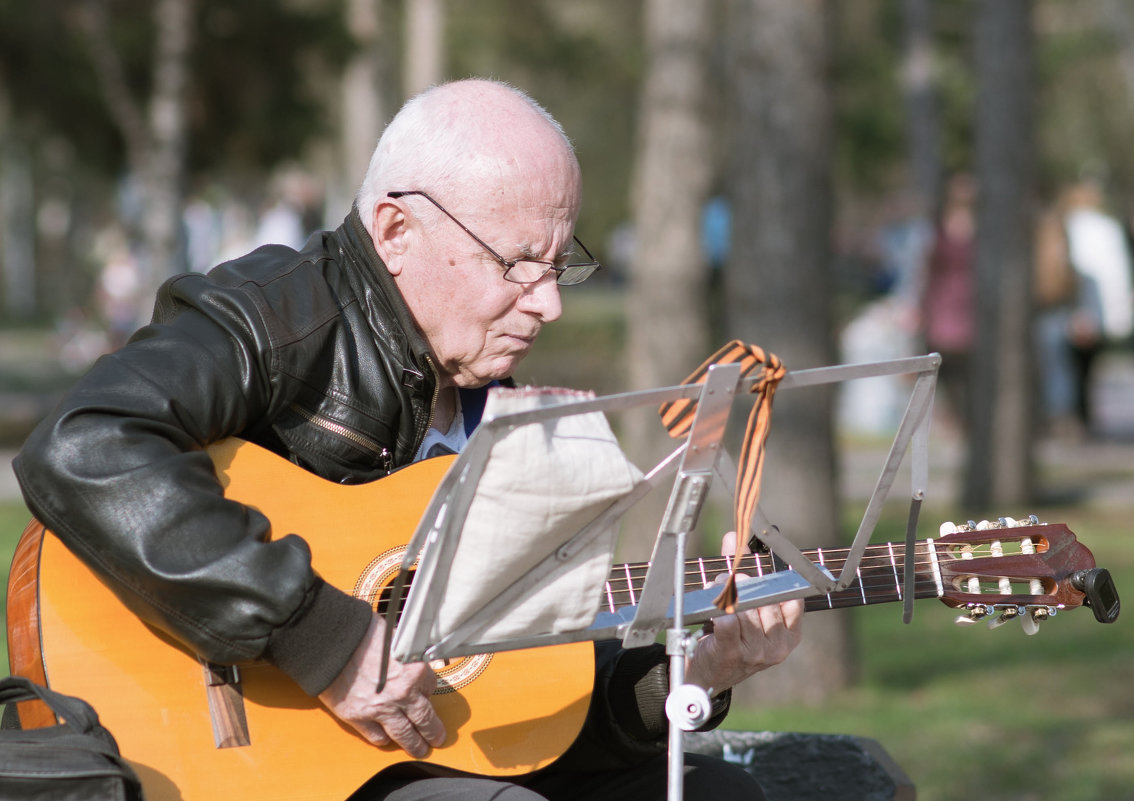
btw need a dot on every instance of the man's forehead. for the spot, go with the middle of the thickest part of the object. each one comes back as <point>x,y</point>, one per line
<point>522,242</point>
<point>540,198</point>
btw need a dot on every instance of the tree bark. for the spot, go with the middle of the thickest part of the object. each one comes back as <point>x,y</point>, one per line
<point>923,125</point>
<point>425,45</point>
<point>17,219</point>
<point>154,133</point>
<point>363,95</point>
<point>164,169</point>
<point>999,471</point>
<point>667,331</point>
<point>778,291</point>
<point>666,293</point>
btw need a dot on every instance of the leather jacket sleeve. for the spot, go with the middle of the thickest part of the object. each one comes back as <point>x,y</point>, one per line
<point>118,473</point>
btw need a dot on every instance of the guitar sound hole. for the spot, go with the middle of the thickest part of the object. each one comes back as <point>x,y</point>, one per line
<point>383,599</point>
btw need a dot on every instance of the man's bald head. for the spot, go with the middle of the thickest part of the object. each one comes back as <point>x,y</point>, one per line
<point>465,138</point>
<point>487,159</point>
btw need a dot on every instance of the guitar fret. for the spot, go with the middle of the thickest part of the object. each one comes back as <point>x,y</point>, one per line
<point>830,599</point>
<point>894,564</point>
<point>704,576</point>
<point>935,566</point>
<point>610,606</point>
<point>630,586</point>
<point>861,584</point>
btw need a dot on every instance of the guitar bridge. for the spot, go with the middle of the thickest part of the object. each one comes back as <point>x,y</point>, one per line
<point>226,705</point>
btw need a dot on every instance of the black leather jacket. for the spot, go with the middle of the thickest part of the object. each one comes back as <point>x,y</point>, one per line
<point>311,354</point>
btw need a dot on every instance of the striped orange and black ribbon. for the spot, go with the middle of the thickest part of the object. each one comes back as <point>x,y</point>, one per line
<point>677,417</point>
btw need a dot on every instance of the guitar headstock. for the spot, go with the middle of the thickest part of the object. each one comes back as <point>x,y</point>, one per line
<point>1011,569</point>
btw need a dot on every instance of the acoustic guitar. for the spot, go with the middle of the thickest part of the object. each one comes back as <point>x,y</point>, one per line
<point>196,732</point>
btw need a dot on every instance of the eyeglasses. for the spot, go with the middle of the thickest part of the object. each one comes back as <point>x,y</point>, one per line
<point>523,271</point>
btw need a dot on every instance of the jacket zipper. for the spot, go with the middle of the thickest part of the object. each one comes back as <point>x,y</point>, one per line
<point>436,395</point>
<point>386,459</point>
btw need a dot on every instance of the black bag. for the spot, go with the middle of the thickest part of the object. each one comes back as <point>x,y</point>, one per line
<point>77,760</point>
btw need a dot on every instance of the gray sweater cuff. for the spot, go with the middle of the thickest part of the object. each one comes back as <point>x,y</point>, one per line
<point>315,645</point>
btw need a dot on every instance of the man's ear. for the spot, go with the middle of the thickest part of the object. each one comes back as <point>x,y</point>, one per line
<point>390,231</point>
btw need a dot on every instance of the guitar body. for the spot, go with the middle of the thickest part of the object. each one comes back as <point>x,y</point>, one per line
<point>506,714</point>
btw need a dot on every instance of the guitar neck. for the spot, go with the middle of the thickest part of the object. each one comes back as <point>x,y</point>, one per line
<point>878,580</point>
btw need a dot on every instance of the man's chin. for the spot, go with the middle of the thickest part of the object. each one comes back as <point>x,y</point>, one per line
<point>497,370</point>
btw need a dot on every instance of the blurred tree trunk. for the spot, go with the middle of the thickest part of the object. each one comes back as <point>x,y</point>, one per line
<point>1000,459</point>
<point>923,124</point>
<point>154,132</point>
<point>425,45</point>
<point>1114,16</point>
<point>17,218</point>
<point>778,292</point>
<point>364,107</point>
<point>667,332</point>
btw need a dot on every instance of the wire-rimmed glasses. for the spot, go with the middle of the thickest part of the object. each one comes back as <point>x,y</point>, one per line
<point>522,271</point>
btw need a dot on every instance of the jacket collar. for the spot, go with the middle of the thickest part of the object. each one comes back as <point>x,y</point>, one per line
<point>380,289</point>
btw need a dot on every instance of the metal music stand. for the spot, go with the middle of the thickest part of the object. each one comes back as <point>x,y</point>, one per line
<point>664,603</point>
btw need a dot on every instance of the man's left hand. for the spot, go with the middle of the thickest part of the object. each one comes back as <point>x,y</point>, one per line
<point>744,643</point>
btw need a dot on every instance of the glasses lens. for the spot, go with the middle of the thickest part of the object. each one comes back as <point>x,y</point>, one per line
<point>576,273</point>
<point>526,271</point>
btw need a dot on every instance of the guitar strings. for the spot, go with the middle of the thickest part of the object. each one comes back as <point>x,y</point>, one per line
<point>873,576</point>
<point>870,578</point>
<point>623,590</point>
<point>877,575</point>
<point>833,558</point>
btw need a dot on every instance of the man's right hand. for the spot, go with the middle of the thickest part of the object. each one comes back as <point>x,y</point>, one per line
<point>401,713</point>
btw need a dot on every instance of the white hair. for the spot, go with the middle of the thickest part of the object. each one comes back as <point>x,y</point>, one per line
<point>428,144</point>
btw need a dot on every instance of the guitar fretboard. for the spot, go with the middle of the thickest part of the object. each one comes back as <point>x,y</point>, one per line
<point>878,579</point>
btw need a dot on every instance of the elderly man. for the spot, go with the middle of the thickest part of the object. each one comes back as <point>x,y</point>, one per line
<point>359,354</point>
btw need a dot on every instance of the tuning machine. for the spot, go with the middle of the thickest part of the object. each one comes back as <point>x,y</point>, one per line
<point>974,614</point>
<point>1029,616</point>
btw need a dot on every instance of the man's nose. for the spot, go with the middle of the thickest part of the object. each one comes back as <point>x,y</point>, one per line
<point>542,299</point>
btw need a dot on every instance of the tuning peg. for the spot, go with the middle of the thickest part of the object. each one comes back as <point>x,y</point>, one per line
<point>1011,613</point>
<point>976,612</point>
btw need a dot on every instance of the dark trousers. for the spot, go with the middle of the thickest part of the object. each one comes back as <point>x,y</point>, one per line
<point>706,779</point>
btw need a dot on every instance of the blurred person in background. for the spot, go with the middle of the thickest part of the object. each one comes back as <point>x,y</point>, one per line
<point>948,315</point>
<point>1103,314</point>
<point>1055,289</point>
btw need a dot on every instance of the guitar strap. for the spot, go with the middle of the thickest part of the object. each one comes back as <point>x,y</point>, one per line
<point>677,416</point>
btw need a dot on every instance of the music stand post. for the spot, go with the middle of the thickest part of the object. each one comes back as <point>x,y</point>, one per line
<point>664,602</point>
<point>688,706</point>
